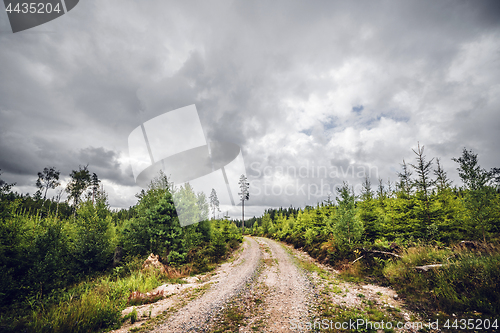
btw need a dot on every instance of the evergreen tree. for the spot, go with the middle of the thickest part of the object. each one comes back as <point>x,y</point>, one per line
<point>424,184</point>
<point>94,241</point>
<point>447,207</point>
<point>442,181</point>
<point>495,173</point>
<point>244,195</point>
<point>479,197</point>
<point>381,192</point>
<point>348,227</point>
<point>367,212</point>
<point>156,228</point>
<point>94,186</point>
<point>405,181</point>
<point>214,202</point>
<point>366,192</point>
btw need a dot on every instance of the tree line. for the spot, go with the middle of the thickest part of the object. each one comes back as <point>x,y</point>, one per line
<point>47,245</point>
<point>423,205</point>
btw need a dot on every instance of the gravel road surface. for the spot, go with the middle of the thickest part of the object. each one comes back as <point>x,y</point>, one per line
<point>267,287</point>
<point>229,280</point>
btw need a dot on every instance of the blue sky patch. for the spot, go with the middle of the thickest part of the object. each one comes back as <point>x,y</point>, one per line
<point>357,108</point>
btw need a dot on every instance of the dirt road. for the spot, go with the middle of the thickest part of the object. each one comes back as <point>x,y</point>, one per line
<point>229,280</point>
<point>266,287</point>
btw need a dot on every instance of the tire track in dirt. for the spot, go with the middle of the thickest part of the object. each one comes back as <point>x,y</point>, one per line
<point>291,293</point>
<point>229,281</point>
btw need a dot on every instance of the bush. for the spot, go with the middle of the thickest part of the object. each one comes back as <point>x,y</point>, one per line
<point>93,244</point>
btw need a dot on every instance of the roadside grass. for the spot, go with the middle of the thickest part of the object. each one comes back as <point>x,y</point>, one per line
<point>235,255</point>
<point>353,273</point>
<point>93,305</point>
<point>234,317</point>
<point>304,264</point>
<point>467,281</point>
<point>184,297</point>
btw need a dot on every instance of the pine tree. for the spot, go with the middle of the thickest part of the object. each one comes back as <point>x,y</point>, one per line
<point>381,193</point>
<point>367,193</point>
<point>244,195</point>
<point>94,185</point>
<point>348,226</point>
<point>442,181</point>
<point>479,194</point>
<point>367,212</point>
<point>423,168</point>
<point>214,202</point>
<point>405,181</point>
<point>424,184</point>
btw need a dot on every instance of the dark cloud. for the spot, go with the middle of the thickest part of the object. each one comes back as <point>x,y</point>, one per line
<point>291,82</point>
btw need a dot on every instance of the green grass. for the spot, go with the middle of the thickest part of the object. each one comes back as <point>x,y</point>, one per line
<point>467,282</point>
<point>89,306</point>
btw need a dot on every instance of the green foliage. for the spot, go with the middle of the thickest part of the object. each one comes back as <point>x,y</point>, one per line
<point>89,306</point>
<point>79,182</point>
<point>94,235</point>
<point>480,198</point>
<point>47,249</point>
<point>347,227</point>
<point>48,179</point>
<point>466,280</point>
<point>132,316</point>
<point>156,228</point>
<point>39,254</point>
<point>367,213</point>
<point>13,232</point>
<point>89,313</point>
<point>418,211</point>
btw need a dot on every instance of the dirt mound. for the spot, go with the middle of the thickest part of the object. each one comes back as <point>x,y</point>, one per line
<point>153,263</point>
<point>138,298</point>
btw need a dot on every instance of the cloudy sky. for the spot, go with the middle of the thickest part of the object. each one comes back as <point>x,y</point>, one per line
<point>314,92</point>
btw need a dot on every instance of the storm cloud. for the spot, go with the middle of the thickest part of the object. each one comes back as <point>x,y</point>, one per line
<point>336,85</point>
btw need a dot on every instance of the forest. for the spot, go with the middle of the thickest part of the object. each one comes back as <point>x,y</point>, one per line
<point>71,265</point>
<point>435,242</point>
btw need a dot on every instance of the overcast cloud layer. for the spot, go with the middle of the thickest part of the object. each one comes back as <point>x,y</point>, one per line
<point>314,92</point>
